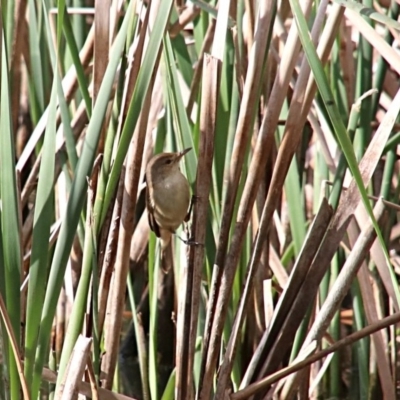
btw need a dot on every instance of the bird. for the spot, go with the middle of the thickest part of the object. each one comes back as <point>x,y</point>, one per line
<point>167,196</point>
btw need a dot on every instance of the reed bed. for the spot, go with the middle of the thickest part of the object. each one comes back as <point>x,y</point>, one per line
<point>291,110</point>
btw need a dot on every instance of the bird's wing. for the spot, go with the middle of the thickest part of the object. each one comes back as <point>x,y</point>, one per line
<point>150,214</point>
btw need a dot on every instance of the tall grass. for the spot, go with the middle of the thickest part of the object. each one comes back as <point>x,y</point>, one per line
<point>291,109</point>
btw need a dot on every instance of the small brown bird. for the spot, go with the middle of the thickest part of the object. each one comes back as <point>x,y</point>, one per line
<point>168,195</point>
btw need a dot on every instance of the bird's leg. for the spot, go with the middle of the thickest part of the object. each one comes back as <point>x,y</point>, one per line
<point>190,241</point>
<point>192,201</point>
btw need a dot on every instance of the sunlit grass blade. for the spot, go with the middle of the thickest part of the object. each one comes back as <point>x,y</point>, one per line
<point>182,128</point>
<point>82,294</point>
<point>169,391</point>
<point>138,97</point>
<point>35,45</point>
<point>336,120</point>
<point>254,293</point>
<point>44,216</point>
<point>83,83</point>
<point>10,223</point>
<point>76,202</point>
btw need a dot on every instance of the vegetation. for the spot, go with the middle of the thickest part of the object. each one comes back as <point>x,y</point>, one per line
<point>291,109</point>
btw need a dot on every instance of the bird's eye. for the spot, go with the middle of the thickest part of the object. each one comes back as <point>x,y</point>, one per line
<point>169,161</point>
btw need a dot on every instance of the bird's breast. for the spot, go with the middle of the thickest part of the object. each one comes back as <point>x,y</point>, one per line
<point>171,198</point>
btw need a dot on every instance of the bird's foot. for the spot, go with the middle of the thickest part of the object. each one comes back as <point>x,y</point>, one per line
<point>189,241</point>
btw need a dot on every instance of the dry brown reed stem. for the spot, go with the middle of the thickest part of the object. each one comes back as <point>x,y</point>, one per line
<point>390,55</point>
<point>101,53</point>
<point>139,242</point>
<point>190,293</point>
<point>371,298</point>
<point>111,249</point>
<point>300,269</point>
<point>133,69</point>
<point>190,298</point>
<point>378,257</point>
<point>131,182</point>
<point>343,282</point>
<point>262,152</point>
<point>132,176</point>
<point>286,151</point>
<point>298,275</point>
<point>339,290</point>
<point>107,266</point>
<point>75,369</point>
<point>194,85</point>
<point>85,388</point>
<point>187,15</point>
<point>183,364</point>
<point>347,61</point>
<point>244,128</point>
<point>284,157</point>
<point>251,18</point>
<point>379,340</point>
<point>296,366</point>
<point>142,355</point>
<point>92,380</point>
<point>18,44</point>
<point>101,43</point>
<point>331,241</point>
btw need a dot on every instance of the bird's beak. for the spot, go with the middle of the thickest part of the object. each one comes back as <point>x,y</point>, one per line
<point>183,152</point>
